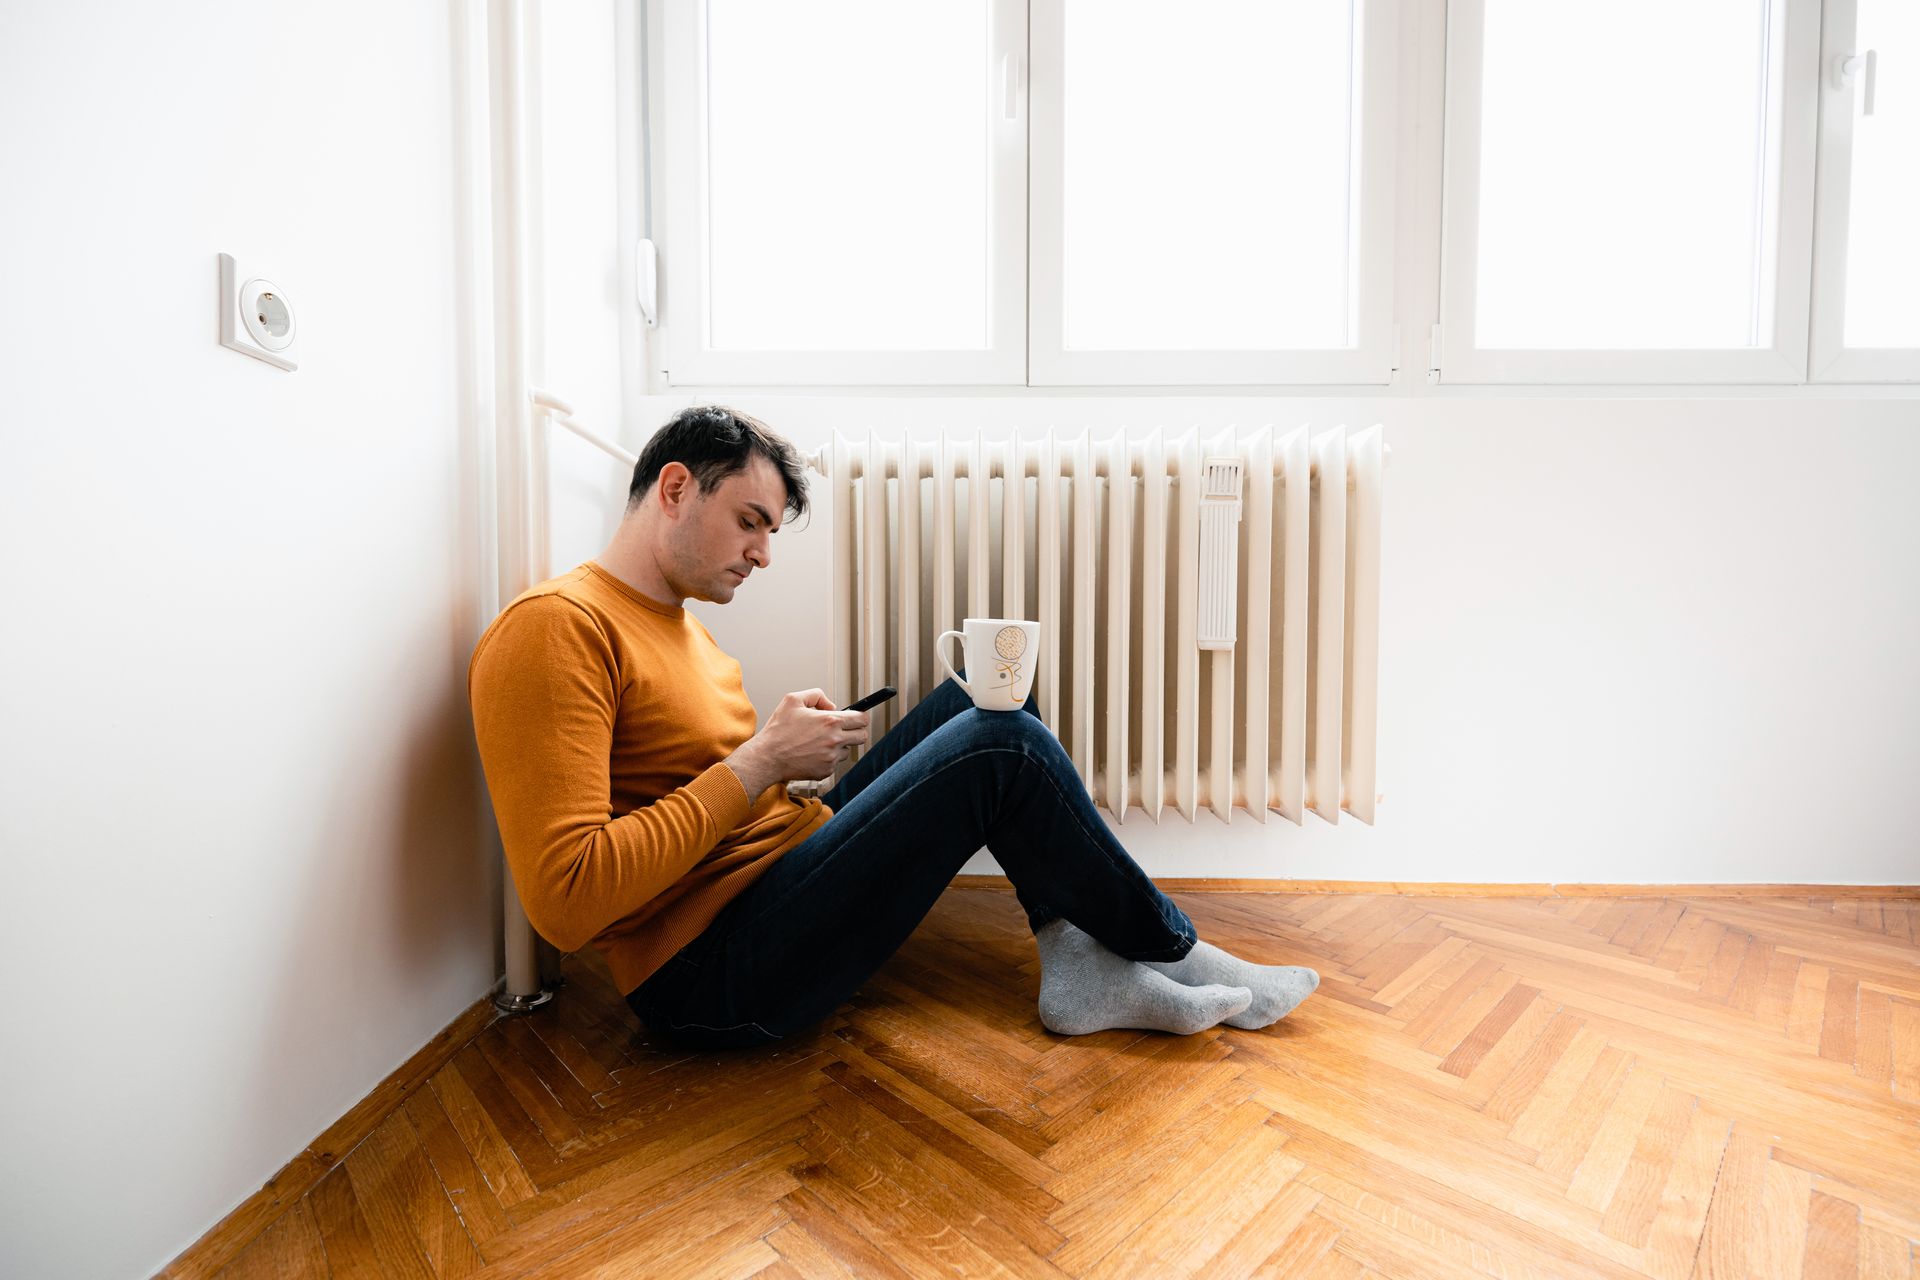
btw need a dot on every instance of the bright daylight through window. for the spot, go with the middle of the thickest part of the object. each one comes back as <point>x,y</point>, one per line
<point>1883,232</point>
<point>847,175</point>
<point>1623,194</point>
<point>1210,175</point>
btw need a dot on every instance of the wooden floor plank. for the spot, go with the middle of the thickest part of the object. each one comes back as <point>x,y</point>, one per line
<point>1904,1049</point>
<point>1489,1031</point>
<point>1470,1251</point>
<point>805,1256</point>
<point>1680,1213</point>
<point>1512,1079</point>
<point>1884,1255</point>
<point>1084,1191</point>
<point>479,1132</point>
<point>1725,1249</point>
<point>291,1249</point>
<point>1009,1145</point>
<point>1605,1161</point>
<point>351,1254</point>
<point>1630,1211</point>
<point>1833,1239</point>
<point>1153,1225</point>
<point>389,1202</point>
<point>648,1186</point>
<point>460,1177</point>
<point>1262,1235</point>
<point>840,1239</point>
<point>394,1147</point>
<point>996,1223</point>
<point>1782,1233</point>
<point>1300,1254</point>
<point>1544,1119</point>
<point>883,1210</point>
<point>741,1206</point>
<point>1528,1245</point>
<point>1842,1017</point>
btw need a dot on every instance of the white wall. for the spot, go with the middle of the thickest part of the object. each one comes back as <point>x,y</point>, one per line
<point>1624,640</point>
<point>245,877</point>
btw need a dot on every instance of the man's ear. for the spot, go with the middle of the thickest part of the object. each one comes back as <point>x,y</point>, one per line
<point>677,485</point>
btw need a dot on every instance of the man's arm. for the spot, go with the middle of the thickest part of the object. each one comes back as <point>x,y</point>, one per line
<point>543,694</point>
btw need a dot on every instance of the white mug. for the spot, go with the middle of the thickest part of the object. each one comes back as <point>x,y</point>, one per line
<point>1000,654</point>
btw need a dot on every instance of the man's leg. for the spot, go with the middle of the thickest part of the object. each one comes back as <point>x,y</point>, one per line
<point>805,936</point>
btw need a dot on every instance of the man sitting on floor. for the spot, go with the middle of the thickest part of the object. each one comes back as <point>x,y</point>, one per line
<point>642,813</point>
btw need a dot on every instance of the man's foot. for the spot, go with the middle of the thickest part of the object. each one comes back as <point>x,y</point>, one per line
<point>1085,987</point>
<point>1276,988</point>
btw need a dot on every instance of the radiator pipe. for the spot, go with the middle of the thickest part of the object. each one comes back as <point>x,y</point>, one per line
<point>522,509</point>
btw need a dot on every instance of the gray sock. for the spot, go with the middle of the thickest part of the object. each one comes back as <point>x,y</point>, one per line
<point>1276,988</point>
<point>1085,987</point>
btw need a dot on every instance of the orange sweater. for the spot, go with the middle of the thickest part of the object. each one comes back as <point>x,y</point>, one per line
<point>603,718</point>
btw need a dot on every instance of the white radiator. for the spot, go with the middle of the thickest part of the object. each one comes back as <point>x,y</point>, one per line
<point>1209,624</point>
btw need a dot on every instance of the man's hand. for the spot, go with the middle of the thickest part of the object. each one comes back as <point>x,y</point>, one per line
<point>804,738</point>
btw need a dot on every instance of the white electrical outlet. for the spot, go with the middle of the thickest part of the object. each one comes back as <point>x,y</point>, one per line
<point>256,318</point>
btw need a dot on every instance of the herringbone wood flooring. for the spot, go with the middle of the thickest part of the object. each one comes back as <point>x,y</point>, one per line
<point>1512,1087</point>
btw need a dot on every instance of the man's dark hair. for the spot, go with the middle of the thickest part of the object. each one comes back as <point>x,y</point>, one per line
<point>713,442</point>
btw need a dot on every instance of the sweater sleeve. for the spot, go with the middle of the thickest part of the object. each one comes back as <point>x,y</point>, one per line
<point>543,690</point>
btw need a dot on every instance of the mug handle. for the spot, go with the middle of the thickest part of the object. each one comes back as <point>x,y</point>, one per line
<point>940,653</point>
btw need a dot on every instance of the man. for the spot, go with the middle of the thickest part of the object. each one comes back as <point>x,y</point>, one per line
<point>642,813</point>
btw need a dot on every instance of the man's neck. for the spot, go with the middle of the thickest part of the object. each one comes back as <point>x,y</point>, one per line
<point>631,561</point>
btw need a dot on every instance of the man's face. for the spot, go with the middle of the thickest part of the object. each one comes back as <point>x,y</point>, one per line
<point>726,534</point>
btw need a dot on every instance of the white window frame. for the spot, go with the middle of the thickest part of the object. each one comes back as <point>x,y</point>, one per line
<point>1790,171</point>
<point>1832,360</point>
<point>1370,361</point>
<point>683,278</point>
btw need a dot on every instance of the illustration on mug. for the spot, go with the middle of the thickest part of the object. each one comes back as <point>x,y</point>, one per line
<point>1010,644</point>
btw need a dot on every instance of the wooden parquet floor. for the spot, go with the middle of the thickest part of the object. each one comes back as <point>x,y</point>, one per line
<point>1510,1087</point>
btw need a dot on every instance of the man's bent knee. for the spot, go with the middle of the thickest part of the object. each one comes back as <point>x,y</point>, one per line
<point>1008,725</point>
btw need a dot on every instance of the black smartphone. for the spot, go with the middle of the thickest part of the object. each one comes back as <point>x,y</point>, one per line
<point>873,699</point>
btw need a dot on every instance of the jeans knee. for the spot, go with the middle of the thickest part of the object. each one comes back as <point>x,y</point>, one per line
<point>1003,726</point>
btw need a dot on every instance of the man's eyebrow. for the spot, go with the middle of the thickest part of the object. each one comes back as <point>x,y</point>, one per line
<point>762,513</point>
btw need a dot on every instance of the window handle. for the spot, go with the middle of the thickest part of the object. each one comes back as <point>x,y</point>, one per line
<point>1848,65</point>
<point>1012,80</point>
<point>646,282</point>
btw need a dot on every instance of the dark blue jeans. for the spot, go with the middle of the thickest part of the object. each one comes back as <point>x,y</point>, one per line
<point>945,780</point>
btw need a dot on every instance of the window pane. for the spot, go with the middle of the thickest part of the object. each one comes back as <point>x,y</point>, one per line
<point>1209,174</point>
<point>847,175</point>
<point>1883,212</point>
<point>1622,167</point>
